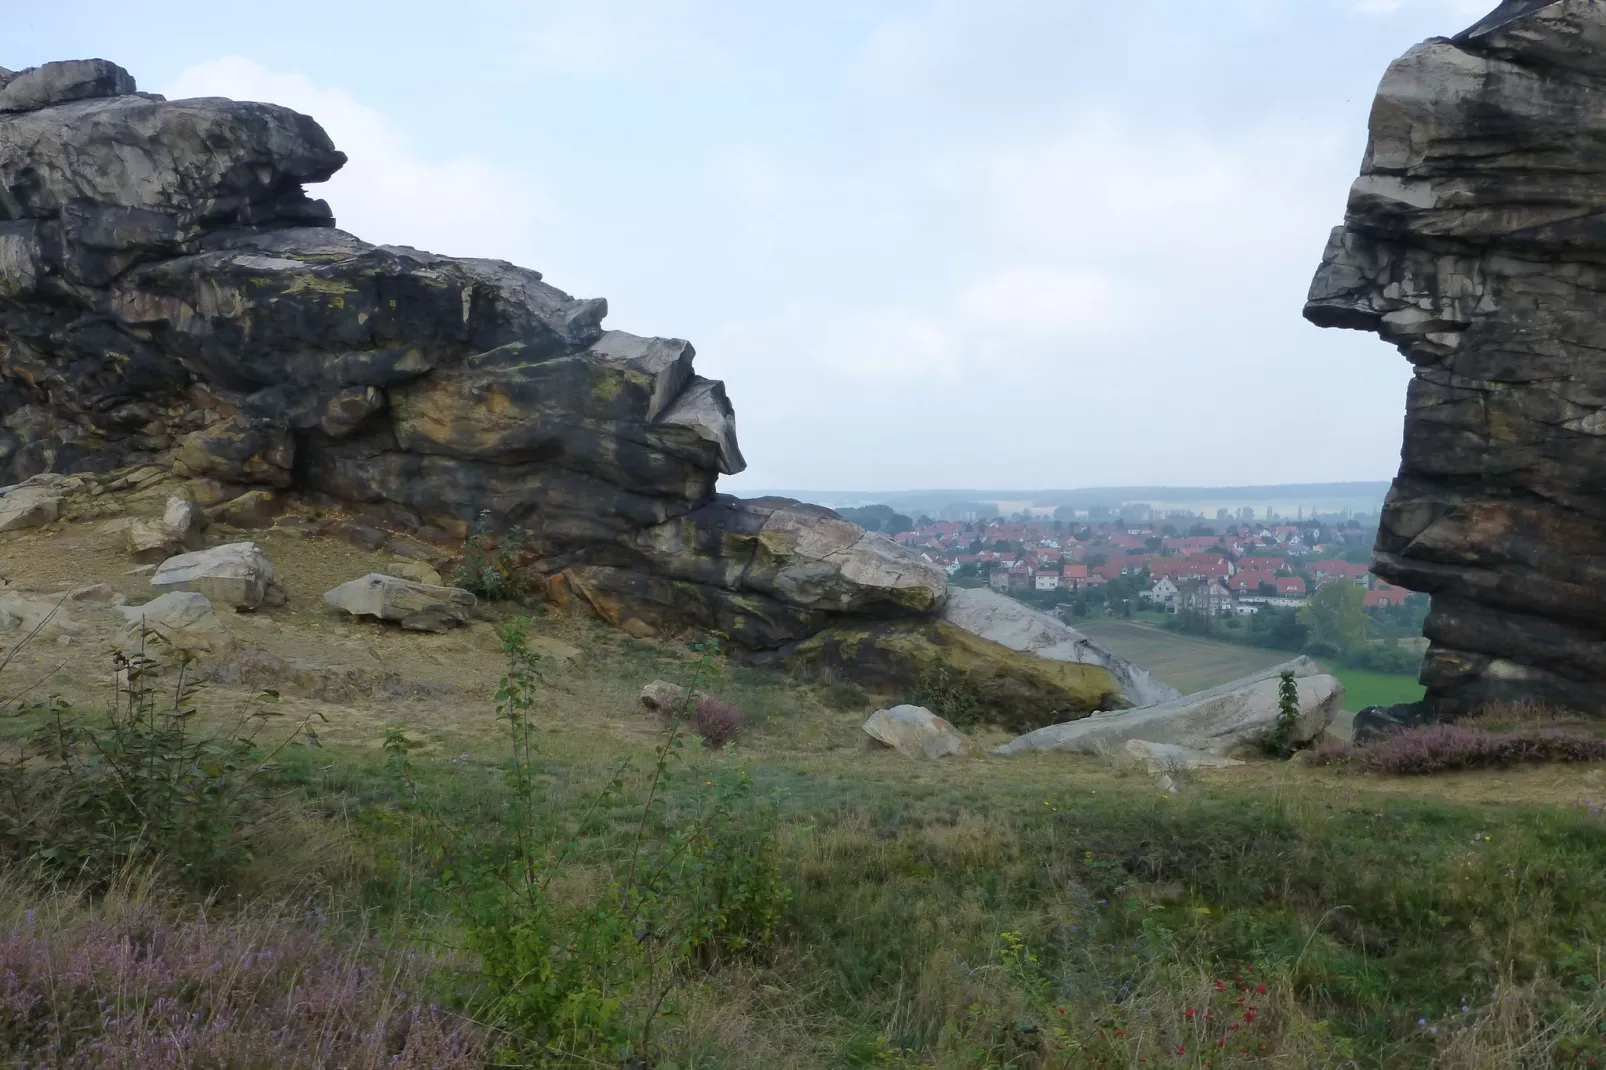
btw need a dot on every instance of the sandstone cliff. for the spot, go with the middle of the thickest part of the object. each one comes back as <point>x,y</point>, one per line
<point>1475,241</point>
<point>170,296</point>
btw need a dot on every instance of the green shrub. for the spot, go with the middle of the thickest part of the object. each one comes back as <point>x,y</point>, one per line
<point>688,887</point>
<point>86,796</point>
<point>1279,742</point>
<point>490,564</point>
<point>950,698</point>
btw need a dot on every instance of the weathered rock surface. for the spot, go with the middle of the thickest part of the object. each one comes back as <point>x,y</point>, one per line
<point>415,606</point>
<point>1169,758</point>
<point>184,619</point>
<point>175,531</point>
<point>1019,627</point>
<point>661,696</point>
<point>1475,241</point>
<point>917,732</point>
<point>1218,721</point>
<point>237,574</point>
<point>28,506</point>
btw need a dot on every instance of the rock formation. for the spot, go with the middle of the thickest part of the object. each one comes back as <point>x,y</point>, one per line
<point>1475,241</point>
<point>171,297</point>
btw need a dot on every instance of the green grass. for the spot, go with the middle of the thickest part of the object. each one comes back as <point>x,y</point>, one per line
<point>1363,689</point>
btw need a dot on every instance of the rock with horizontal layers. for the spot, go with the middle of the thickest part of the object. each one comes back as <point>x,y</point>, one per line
<point>169,294</point>
<point>1220,721</point>
<point>184,620</point>
<point>236,574</point>
<point>1018,626</point>
<point>916,732</point>
<point>416,571</point>
<point>1475,242</point>
<point>415,606</point>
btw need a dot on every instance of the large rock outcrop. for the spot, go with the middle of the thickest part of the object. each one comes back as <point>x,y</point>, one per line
<point>1475,241</point>
<point>170,296</point>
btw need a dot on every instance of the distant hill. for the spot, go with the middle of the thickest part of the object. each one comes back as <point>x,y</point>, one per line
<point>1285,498</point>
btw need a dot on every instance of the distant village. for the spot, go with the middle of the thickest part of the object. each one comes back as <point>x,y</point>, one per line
<point>1230,567</point>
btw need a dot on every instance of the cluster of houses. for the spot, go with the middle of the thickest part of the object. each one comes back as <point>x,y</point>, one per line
<point>1238,571</point>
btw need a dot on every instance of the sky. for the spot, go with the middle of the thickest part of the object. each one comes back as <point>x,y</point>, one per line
<point>925,243</point>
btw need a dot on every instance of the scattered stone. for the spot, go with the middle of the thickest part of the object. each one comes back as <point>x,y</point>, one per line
<point>184,620</point>
<point>916,732</point>
<point>95,592</point>
<point>415,571</point>
<point>1166,757</point>
<point>208,492</point>
<point>1375,722</point>
<point>637,628</point>
<point>1167,786</point>
<point>411,549</point>
<point>176,531</point>
<point>253,509</point>
<point>26,614</point>
<point>64,640</point>
<point>1218,721</point>
<point>661,696</point>
<point>28,506</point>
<point>237,574</point>
<point>415,606</point>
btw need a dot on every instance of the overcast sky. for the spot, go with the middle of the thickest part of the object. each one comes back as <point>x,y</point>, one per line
<point>926,243</point>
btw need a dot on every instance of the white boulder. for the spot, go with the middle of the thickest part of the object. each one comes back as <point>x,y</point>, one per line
<point>237,574</point>
<point>1218,721</point>
<point>416,606</point>
<point>916,732</point>
<point>28,505</point>
<point>184,620</point>
<point>176,531</point>
<point>1019,627</point>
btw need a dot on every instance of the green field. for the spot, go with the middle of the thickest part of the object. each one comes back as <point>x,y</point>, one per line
<point>1191,664</point>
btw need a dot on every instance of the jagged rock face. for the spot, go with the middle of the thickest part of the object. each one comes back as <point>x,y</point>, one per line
<point>1475,241</point>
<point>169,294</point>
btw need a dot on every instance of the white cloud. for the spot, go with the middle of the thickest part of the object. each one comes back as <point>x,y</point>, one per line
<point>603,37</point>
<point>388,193</point>
<point>1042,301</point>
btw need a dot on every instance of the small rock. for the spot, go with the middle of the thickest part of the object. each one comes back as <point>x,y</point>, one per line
<point>916,732</point>
<point>177,530</point>
<point>236,574</point>
<point>416,571</point>
<point>405,546</point>
<point>253,509</point>
<point>1167,786</point>
<point>25,506</point>
<point>95,592</point>
<point>637,628</point>
<point>64,640</point>
<point>415,606</point>
<point>661,696</point>
<point>141,570</point>
<point>184,620</point>
<point>208,492</point>
<point>359,535</point>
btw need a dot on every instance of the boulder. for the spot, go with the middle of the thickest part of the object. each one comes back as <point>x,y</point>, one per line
<point>175,531</point>
<point>237,574</point>
<point>661,696</point>
<point>1169,758</point>
<point>21,615</point>
<point>1474,241</point>
<point>416,571</point>
<point>1011,688</point>
<point>1014,624</point>
<point>253,509</point>
<point>415,606</point>
<point>916,732</point>
<point>183,619</point>
<point>25,506</point>
<point>1219,721</point>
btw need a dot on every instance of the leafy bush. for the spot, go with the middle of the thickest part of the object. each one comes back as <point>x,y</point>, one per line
<point>85,797</point>
<point>692,884</point>
<point>1279,741</point>
<point>950,698</point>
<point>132,984</point>
<point>716,721</point>
<point>1445,748</point>
<point>490,563</point>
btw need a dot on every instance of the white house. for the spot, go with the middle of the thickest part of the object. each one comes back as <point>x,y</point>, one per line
<point>1048,581</point>
<point>1163,595</point>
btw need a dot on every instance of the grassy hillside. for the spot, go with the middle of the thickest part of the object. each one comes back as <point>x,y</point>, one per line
<point>1190,664</point>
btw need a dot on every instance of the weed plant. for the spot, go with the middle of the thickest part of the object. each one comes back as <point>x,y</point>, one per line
<point>490,563</point>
